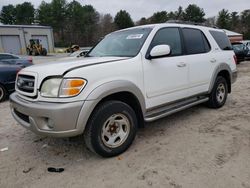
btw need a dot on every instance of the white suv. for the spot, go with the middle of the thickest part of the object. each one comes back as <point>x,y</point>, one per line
<point>134,75</point>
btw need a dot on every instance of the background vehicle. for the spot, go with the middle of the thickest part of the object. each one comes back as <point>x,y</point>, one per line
<point>79,53</point>
<point>7,80</point>
<point>247,46</point>
<point>35,48</point>
<point>10,59</point>
<point>72,48</point>
<point>240,51</point>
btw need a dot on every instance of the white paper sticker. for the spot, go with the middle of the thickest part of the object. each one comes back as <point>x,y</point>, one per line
<point>135,36</point>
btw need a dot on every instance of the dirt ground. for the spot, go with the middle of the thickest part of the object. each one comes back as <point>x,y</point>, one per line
<point>195,148</point>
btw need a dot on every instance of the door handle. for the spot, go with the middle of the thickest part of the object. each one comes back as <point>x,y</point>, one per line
<point>213,60</point>
<point>181,64</point>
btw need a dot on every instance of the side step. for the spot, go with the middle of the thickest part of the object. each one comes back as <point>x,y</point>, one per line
<point>171,109</point>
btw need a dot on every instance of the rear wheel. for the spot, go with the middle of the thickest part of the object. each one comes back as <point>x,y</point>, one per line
<point>3,93</point>
<point>219,93</point>
<point>111,129</point>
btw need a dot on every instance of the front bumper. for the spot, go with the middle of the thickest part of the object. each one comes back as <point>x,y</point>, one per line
<point>46,118</point>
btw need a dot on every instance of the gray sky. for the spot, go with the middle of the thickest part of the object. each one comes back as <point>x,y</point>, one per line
<point>145,8</point>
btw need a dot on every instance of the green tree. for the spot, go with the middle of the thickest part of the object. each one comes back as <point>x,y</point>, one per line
<point>179,13</point>
<point>194,13</point>
<point>44,14</point>
<point>8,15</point>
<point>224,19</point>
<point>90,19</point>
<point>159,17</point>
<point>245,21</point>
<point>235,21</point>
<point>25,13</point>
<point>74,24</point>
<point>58,8</point>
<point>123,20</point>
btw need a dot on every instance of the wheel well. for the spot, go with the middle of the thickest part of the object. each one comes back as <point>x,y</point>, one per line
<point>129,99</point>
<point>226,75</point>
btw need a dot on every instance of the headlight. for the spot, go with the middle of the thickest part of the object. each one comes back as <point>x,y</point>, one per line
<point>58,87</point>
<point>51,87</point>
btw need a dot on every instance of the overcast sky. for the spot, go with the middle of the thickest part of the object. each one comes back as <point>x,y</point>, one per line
<point>145,8</point>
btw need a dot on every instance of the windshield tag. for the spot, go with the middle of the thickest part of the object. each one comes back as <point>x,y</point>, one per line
<point>135,36</point>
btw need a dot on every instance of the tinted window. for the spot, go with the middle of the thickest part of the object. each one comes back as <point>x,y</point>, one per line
<point>169,36</point>
<point>222,40</point>
<point>195,41</point>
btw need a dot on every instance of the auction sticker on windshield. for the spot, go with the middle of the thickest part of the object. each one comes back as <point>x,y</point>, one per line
<point>135,36</point>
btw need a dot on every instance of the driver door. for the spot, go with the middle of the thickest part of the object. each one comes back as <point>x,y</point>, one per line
<point>166,78</point>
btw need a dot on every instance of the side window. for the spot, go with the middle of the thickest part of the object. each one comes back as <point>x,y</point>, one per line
<point>6,56</point>
<point>221,39</point>
<point>10,57</point>
<point>195,41</point>
<point>169,36</point>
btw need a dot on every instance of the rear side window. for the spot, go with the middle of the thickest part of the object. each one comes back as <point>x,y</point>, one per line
<point>222,40</point>
<point>169,36</point>
<point>195,41</point>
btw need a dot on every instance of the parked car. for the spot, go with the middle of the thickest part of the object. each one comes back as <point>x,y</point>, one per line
<point>132,76</point>
<point>79,53</point>
<point>240,51</point>
<point>247,46</point>
<point>6,58</point>
<point>7,80</point>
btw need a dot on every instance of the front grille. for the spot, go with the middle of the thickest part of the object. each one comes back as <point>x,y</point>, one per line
<point>26,83</point>
<point>22,116</point>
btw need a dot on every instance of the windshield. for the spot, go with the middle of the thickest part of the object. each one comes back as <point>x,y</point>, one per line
<point>125,43</point>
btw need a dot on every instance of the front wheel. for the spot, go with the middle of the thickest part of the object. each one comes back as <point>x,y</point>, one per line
<point>111,128</point>
<point>218,96</point>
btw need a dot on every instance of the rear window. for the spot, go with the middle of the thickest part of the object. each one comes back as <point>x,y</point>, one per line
<point>222,40</point>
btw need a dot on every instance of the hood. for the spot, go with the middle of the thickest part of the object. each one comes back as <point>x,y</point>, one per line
<point>59,67</point>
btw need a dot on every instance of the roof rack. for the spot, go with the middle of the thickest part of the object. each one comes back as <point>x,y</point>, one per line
<point>190,23</point>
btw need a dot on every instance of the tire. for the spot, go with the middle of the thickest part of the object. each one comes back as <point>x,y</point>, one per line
<point>218,96</point>
<point>111,129</point>
<point>44,52</point>
<point>29,52</point>
<point>33,52</point>
<point>3,93</point>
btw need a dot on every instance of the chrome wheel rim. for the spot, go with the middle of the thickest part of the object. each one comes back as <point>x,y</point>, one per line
<point>1,93</point>
<point>115,130</point>
<point>220,93</point>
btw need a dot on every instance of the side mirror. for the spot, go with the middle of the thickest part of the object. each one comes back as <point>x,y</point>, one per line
<point>160,51</point>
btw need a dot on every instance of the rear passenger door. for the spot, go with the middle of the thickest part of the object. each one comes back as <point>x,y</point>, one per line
<point>200,60</point>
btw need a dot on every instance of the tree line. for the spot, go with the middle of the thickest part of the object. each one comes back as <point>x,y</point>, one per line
<point>74,23</point>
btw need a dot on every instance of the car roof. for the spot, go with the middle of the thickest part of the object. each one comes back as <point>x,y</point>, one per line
<point>160,25</point>
<point>8,54</point>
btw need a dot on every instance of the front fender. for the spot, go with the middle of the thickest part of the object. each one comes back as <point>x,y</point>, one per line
<point>104,90</point>
<point>117,86</point>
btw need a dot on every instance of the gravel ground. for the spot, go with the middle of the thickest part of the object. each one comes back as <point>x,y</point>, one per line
<point>198,147</point>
